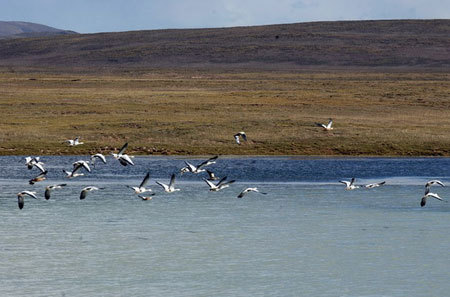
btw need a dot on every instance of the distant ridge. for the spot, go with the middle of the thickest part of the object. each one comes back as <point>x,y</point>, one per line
<point>387,43</point>
<point>26,29</point>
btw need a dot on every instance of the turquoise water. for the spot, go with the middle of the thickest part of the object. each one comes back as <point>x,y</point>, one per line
<point>306,237</point>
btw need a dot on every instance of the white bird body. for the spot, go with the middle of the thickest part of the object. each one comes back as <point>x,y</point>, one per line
<point>74,142</point>
<point>249,190</point>
<point>350,185</point>
<point>238,135</point>
<point>141,189</point>
<point>222,184</point>
<point>327,127</point>
<point>170,188</point>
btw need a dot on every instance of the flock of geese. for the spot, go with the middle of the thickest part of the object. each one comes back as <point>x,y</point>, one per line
<point>350,185</point>
<point>144,193</point>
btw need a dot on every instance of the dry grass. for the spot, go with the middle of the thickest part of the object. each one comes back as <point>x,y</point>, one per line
<point>195,112</point>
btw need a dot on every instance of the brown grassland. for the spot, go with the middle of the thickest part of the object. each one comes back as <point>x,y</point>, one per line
<point>193,112</point>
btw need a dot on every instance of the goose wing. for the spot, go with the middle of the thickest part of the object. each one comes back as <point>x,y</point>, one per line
<point>221,181</point>
<point>122,150</point>
<point>28,160</point>
<point>99,156</point>
<point>244,136</point>
<point>207,162</point>
<point>39,166</point>
<point>210,184</point>
<point>374,185</point>
<point>29,193</point>
<point>86,166</point>
<point>191,167</point>
<point>329,124</point>
<point>126,159</point>
<point>321,125</point>
<point>76,167</point>
<point>347,183</point>
<point>435,196</point>
<point>165,187</point>
<point>236,138</point>
<point>172,181</point>
<point>145,180</point>
<point>434,182</point>
<point>225,184</point>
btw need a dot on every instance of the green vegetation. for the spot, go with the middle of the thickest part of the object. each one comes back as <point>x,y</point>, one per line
<point>197,112</point>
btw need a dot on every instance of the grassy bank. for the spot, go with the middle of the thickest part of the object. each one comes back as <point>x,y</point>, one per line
<point>195,112</point>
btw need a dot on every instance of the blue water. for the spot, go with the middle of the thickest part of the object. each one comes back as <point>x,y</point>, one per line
<point>306,237</point>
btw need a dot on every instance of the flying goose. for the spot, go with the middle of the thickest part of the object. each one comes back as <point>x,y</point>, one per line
<point>171,187</point>
<point>197,169</point>
<point>141,189</point>
<point>70,174</point>
<point>76,167</point>
<point>374,185</point>
<point>148,197</point>
<point>98,156</point>
<point>327,127</point>
<point>38,178</point>
<point>427,195</point>
<point>86,190</point>
<point>350,185</point>
<point>49,189</point>
<point>81,163</point>
<point>434,182</point>
<point>240,134</point>
<point>21,195</point>
<point>222,184</point>
<point>74,142</point>
<point>34,161</point>
<point>242,194</point>
<point>123,158</point>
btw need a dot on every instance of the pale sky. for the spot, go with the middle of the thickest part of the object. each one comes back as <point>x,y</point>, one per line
<point>89,16</point>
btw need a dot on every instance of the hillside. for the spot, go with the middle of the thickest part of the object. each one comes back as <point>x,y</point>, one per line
<point>396,43</point>
<point>26,29</point>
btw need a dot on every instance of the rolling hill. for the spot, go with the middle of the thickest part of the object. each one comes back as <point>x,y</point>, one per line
<point>387,43</point>
<point>26,29</point>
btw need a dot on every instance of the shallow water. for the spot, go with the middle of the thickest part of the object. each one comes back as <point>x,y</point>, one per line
<point>306,237</point>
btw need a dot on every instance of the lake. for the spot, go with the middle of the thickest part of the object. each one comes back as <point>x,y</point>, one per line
<point>306,237</point>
